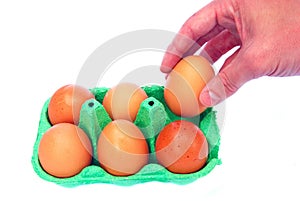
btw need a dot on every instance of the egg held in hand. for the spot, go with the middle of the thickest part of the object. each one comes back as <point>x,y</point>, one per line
<point>64,150</point>
<point>66,102</point>
<point>122,148</point>
<point>123,101</point>
<point>184,85</point>
<point>181,147</point>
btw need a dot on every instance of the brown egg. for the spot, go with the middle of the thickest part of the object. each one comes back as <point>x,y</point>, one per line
<point>181,147</point>
<point>122,148</point>
<point>184,85</point>
<point>64,150</point>
<point>123,101</point>
<point>66,102</point>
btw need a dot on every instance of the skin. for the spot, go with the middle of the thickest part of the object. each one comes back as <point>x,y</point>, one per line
<point>267,33</point>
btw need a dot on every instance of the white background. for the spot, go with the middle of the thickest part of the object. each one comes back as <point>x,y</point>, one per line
<point>43,46</point>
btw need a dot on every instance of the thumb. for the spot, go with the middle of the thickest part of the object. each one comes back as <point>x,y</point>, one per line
<point>233,74</point>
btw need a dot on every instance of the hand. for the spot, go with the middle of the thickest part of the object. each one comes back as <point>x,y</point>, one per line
<point>266,31</point>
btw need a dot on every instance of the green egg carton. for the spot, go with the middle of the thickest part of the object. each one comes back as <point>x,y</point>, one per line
<point>152,116</point>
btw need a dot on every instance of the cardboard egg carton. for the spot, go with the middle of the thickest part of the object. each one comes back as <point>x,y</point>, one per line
<point>152,116</point>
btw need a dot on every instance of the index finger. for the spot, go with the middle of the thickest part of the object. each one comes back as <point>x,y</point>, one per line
<point>200,27</point>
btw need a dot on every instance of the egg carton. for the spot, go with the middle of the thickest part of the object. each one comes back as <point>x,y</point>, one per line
<point>152,116</point>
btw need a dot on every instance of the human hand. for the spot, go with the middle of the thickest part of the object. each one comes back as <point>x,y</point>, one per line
<point>266,31</point>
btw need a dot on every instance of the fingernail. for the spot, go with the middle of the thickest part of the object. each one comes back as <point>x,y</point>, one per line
<point>209,98</point>
<point>169,62</point>
<point>165,69</point>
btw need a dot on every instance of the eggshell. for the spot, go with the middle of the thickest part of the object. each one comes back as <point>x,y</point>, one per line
<point>181,147</point>
<point>66,102</point>
<point>123,101</point>
<point>184,85</point>
<point>64,150</point>
<point>122,148</point>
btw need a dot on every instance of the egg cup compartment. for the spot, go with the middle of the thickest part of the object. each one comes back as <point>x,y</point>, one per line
<point>152,116</point>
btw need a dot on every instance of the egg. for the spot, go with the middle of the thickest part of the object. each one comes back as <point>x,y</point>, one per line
<point>123,101</point>
<point>65,104</point>
<point>181,147</point>
<point>185,83</point>
<point>64,150</point>
<point>122,148</point>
